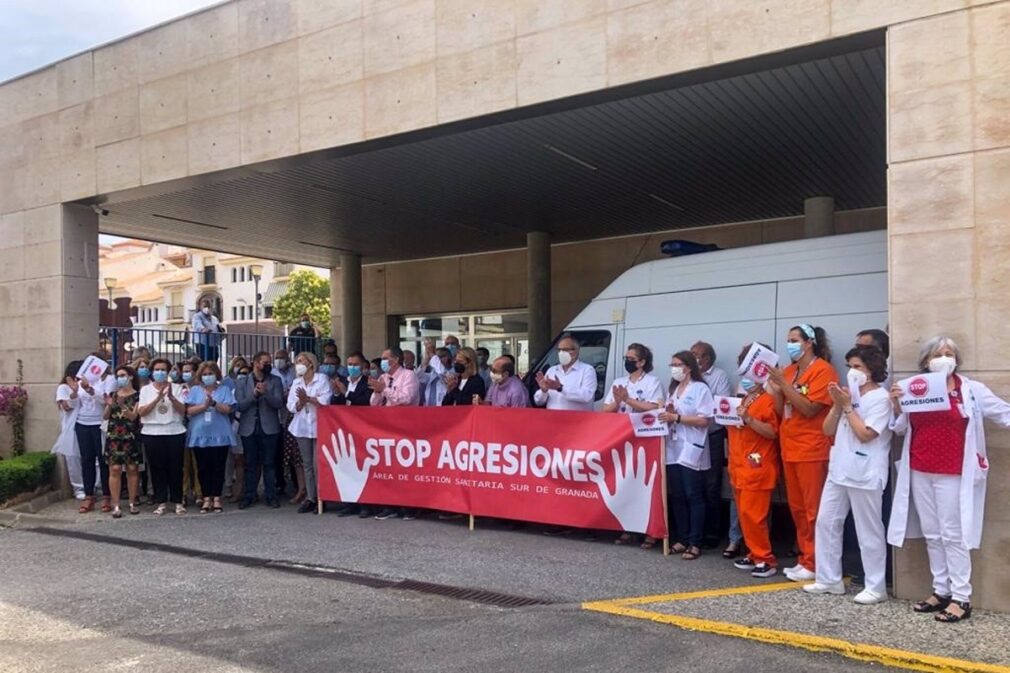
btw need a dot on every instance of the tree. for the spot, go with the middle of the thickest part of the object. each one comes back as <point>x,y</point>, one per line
<point>306,292</point>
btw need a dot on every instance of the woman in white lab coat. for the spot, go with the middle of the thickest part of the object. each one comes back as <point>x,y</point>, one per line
<point>66,444</point>
<point>942,472</point>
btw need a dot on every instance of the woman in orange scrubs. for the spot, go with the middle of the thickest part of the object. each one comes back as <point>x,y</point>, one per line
<point>754,471</point>
<point>802,402</point>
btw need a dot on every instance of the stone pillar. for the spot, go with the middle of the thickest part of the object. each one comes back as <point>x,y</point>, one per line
<point>818,216</point>
<point>48,306</point>
<point>350,303</point>
<point>538,291</point>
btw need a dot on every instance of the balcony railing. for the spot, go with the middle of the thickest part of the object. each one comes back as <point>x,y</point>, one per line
<point>120,344</point>
<point>208,276</point>
<point>176,312</point>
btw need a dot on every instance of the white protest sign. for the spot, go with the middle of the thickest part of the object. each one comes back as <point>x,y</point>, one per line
<point>647,424</point>
<point>756,364</point>
<point>92,369</point>
<point>725,410</point>
<point>924,392</point>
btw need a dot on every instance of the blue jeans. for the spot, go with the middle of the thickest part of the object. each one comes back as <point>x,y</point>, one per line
<point>735,533</point>
<point>687,487</point>
<point>260,450</point>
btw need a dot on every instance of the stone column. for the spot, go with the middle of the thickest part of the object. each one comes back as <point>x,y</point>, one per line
<point>538,291</point>
<point>350,303</point>
<point>48,306</point>
<point>818,216</point>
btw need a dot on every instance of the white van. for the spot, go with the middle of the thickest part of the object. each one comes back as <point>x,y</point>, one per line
<point>732,297</point>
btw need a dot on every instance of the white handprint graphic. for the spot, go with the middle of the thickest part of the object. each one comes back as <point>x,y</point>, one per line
<point>631,501</point>
<point>343,461</point>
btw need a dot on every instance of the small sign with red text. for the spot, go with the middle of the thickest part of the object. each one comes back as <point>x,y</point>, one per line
<point>726,410</point>
<point>757,363</point>
<point>647,424</point>
<point>924,392</point>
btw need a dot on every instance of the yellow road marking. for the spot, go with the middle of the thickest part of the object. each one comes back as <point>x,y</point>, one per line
<point>705,593</point>
<point>915,661</point>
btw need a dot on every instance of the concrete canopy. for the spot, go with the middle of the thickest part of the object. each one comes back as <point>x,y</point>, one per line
<point>743,141</point>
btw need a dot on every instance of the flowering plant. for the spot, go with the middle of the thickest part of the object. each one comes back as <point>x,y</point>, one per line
<point>13,400</point>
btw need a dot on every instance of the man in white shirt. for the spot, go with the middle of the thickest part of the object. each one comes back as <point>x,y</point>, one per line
<point>207,329</point>
<point>718,383</point>
<point>431,374</point>
<point>569,385</point>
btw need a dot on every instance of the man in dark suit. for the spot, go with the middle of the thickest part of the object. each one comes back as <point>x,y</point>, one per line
<point>260,397</point>
<point>354,393</point>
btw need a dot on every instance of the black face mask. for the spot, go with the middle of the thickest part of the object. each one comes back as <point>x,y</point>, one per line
<point>267,368</point>
<point>630,366</point>
<point>459,367</point>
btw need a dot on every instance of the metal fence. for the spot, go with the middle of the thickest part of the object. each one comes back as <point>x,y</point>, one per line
<point>121,345</point>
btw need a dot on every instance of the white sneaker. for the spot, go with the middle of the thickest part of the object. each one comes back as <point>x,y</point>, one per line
<point>800,575</point>
<point>791,569</point>
<point>867,597</point>
<point>837,589</point>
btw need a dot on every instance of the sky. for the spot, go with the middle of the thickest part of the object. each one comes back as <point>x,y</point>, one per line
<point>39,32</point>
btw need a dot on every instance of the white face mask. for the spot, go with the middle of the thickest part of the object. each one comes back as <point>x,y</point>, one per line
<point>678,373</point>
<point>943,364</point>
<point>565,358</point>
<point>206,310</point>
<point>497,378</point>
<point>856,378</point>
<point>300,369</point>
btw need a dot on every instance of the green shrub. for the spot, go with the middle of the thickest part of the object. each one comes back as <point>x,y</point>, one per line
<point>25,473</point>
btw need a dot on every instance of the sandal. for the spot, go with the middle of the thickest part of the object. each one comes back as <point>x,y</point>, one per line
<point>927,606</point>
<point>648,542</point>
<point>205,507</point>
<point>217,506</point>
<point>948,617</point>
<point>159,510</point>
<point>116,513</point>
<point>625,538</point>
<point>180,509</point>
<point>732,550</point>
<point>678,548</point>
<point>87,505</point>
<point>106,504</point>
<point>134,509</point>
<point>691,554</point>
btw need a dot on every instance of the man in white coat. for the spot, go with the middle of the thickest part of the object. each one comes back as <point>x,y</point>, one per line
<point>569,385</point>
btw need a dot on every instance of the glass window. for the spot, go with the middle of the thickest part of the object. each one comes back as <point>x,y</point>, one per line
<point>234,274</point>
<point>234,313</point>
<point>594,350</point>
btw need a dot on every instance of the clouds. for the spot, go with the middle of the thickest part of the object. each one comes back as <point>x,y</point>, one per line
<point>39,32</point>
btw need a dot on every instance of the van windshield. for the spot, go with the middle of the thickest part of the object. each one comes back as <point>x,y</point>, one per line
<point>594,350</point>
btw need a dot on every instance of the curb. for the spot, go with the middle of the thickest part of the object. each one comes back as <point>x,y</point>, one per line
<point>13,519</point>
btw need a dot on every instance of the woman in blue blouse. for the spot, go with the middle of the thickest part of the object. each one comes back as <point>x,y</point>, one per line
<point>209,408</point>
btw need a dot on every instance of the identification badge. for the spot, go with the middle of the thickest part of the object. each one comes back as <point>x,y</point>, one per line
<point>787,411</point>
<point>208,416</point>
<point>162,409</point>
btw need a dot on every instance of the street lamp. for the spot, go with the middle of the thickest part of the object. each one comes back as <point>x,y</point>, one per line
<point>257,273</point>
<point>110,282</point>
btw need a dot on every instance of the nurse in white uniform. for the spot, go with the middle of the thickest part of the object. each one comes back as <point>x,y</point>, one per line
<point>942,472</point>
<point>859,421</point>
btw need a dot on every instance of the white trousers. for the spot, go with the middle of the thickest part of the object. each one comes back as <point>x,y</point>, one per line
<point>75,473</point>
<point>937,500</point>
<point>866,506</point>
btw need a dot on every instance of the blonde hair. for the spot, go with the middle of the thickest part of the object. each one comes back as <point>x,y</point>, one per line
<point>311,357</point>
<point>470,355</point>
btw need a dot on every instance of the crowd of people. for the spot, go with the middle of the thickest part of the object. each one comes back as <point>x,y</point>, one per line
<point>191,429</point>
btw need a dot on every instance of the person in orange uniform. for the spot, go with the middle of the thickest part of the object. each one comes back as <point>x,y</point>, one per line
<point>754,471</point>
<point>802,402</point>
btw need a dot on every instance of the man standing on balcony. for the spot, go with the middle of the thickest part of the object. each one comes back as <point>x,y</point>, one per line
<point>207,329</point>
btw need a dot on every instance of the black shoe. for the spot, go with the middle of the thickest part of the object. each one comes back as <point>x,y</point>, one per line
<point>386,514</point>
<point>365,513</point>
<point>273,504</point>
<point>350,511</point>
<point>307,506</point>
<point>244,504</point>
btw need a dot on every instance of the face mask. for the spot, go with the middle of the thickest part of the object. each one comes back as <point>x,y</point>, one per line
<point>281,364</point>
<point>795,350</point>
<point>458,367</point>
<point>206,310</point>
<point>565,358</point>
<point>208,379</point>
<point>187,377</point>
<point>630,366</point>
<point>497,378</point>
<point>747,384</point>
<point>143,372</point>
<point>943,364</point>
<point>856,378</point>
<point>300,369</point>
<point>306,324</point>
<point>159,376</point>
<point>174,376</point>
<point>266,369</point>
<point>122,381</point>
<point>354,372</point>
<point>374,373</point>
<point>452,348</point>
<point>678,373</point>
<point>328,370</point>
<point>384,364</point>
<point>342,371</point>
<point>242,377</point>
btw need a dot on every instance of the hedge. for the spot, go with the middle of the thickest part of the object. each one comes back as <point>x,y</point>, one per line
<point>25,473</point>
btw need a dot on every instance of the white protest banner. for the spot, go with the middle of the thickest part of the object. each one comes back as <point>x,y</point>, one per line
<point>756,364</point>
<point>92,369</point>
<point>725,410</point>
<point>647,424</point>
<point>924,392</point>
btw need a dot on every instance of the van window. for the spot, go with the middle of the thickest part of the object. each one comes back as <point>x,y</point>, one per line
<point>594,350</point>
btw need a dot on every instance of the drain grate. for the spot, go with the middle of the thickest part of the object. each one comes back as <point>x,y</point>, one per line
<point>483,596</point>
